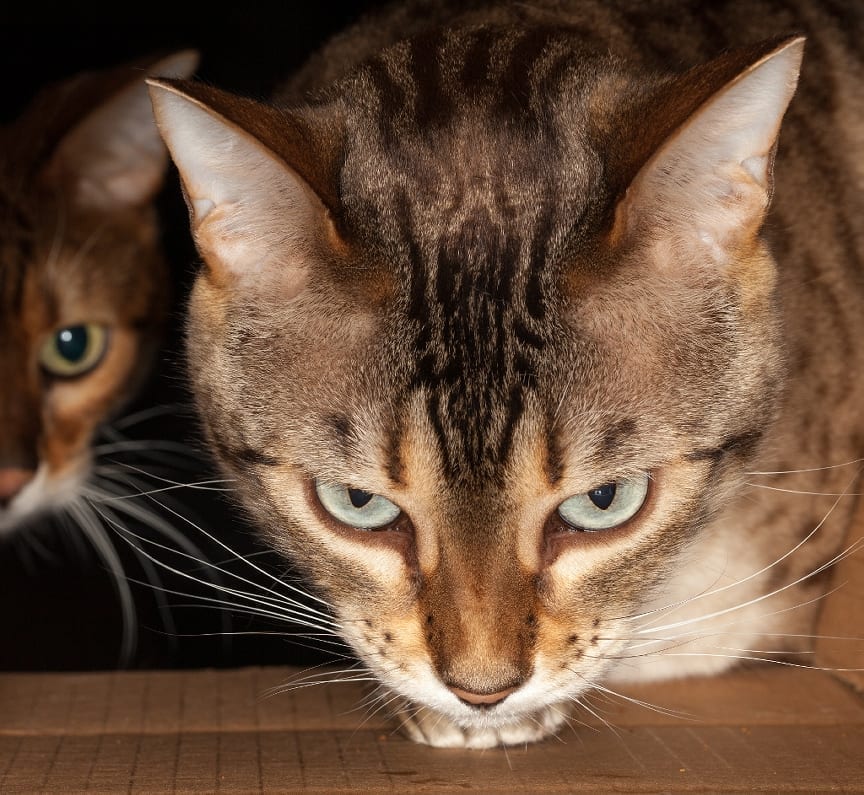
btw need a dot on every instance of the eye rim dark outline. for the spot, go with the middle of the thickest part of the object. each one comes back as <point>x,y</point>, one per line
<point>399,523</point>
<point>567,528</point>
<point>59,375</point>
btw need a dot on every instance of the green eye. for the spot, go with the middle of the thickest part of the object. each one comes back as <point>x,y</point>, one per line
<point>74,350</point>
<point>356,508</point>
<point>605,507</point>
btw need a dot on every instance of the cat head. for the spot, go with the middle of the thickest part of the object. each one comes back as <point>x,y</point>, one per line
<point>484,351</point>
<point>82,280</point>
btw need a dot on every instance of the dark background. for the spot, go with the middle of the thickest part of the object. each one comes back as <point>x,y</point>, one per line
<point>58,607</point>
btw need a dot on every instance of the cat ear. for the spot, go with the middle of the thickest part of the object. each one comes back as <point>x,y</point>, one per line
<point>251,213</point>
<point>114,157</point>
<point>709,183</point>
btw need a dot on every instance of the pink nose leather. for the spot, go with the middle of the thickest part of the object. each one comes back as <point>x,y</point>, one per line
<point>482,699</point>
<point>12,480</point>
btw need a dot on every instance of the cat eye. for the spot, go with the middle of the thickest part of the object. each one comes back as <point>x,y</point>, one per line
<point>355,507</point>
<point>606,506</point>
<point>74,350</point>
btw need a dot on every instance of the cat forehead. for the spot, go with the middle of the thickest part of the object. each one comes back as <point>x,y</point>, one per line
<point>467,133</point>
<point>454,182</point>
<point>514,75</point>
<point>469,114</point>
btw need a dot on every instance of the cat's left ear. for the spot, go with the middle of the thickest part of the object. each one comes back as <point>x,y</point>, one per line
<point>708,182</point>
<point>114,157</point>
<point>257,182</point>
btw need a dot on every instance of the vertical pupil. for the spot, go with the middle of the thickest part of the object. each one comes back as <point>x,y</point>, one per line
<point>72,343</point>
<point>359,498</point>
<point>603,496</point>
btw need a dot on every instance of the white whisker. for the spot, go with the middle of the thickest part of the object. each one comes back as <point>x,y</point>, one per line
<point>771,660</point>
<point>812,469</point>
<point>803,492</point>
<point>90,526</point>
<point>687,637</point>
<point>289,687</point>
<point>192,551</point>
<point>138,417</point>
<point>756,599</point>
<point>219,542</point>
<point>648,627</point>
<point>203,485</point>
<point>144,446</point>
<point>221,604</point>
<point>581,702</point>
<point>285,607</point>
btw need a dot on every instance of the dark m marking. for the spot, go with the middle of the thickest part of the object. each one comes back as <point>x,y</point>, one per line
<point>475,351</point>
<point>742,445</point>
<point>615,434</point>
<point>393,453</point>
<point>432,105</point>
<point>391,96</point>
<point>515,94</point>
<point>342,428</point>
<point>244,455</point>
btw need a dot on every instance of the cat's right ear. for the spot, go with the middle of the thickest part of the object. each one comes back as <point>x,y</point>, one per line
<point>708,140</point>
<point>252,215</point>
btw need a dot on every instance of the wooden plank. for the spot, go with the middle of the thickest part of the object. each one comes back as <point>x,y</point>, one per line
<point>214,701</point>
<point>760,695</point>
<point>761,729</point>
<point>639,759</point>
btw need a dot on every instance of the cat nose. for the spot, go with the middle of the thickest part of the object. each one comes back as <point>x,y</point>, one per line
<point>481,699</point>
<point>12,480</point>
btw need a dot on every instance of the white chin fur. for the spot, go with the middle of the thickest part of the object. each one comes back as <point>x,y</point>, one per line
<point>43,494</point>
<point>444,722</point>
<point>432,728</point>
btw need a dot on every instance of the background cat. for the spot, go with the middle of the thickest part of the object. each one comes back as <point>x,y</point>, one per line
<point>489,339</point>
<point>84,283</point>
<point>84,298</point>
<point>58,603</point>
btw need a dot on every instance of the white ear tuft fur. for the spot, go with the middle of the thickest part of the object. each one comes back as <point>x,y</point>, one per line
<point>710,183</point>
<point>115,157</point>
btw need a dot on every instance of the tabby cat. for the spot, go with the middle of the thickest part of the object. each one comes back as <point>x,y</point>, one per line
<point>82,285</point>
<point>500,341</point>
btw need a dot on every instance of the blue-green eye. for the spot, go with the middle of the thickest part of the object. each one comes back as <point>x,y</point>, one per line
<point>606,506</point>
<point>74,350</point>
<point>355,507</point>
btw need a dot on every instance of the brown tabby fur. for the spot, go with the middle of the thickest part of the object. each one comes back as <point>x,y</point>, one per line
<point>458,279</point>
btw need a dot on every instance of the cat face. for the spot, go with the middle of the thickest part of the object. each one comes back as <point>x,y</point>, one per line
<point>485,389</point>
<point>82,282</point>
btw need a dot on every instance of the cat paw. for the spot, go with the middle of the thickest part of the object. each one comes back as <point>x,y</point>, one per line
<point>432,728</point>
